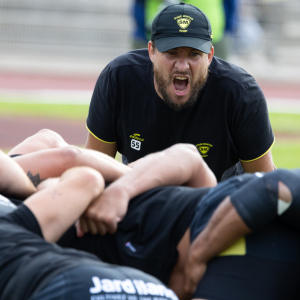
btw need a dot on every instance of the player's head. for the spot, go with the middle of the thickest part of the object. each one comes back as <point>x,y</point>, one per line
<point>181,51</point>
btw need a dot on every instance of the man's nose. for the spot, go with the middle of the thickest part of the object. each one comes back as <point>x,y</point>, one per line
<point>182,64</point>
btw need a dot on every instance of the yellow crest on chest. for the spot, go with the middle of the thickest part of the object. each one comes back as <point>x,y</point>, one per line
<point>204,148</point>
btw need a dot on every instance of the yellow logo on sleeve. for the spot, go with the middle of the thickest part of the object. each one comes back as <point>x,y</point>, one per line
<point>204,148</point>
<point>183,22</point>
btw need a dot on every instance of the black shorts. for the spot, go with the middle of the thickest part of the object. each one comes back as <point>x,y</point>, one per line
<point>249,278</point>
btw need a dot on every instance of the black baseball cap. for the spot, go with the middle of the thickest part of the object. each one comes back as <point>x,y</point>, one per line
<point>181,25</point>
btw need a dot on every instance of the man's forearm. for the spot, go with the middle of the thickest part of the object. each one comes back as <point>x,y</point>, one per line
<point>95,144</point>
<point>224,228</point>
<point>57,206</point>
<point>53,162</point>
<point>178,165</point>
<point>263,164</point>
<point>14,182</point>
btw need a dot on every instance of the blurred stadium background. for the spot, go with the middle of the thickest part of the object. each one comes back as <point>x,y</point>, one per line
<point>52,52</point>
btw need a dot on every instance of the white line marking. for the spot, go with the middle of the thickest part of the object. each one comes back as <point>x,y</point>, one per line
<point>76,97</point>
<point>79,97</point>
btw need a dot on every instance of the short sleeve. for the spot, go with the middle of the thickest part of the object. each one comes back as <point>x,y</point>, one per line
<point>253,135</point>
<point>100,117</point>
<point>23,217</point>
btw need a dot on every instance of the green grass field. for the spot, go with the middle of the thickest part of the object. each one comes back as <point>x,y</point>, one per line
<point>61,111</point>
<point>286,150</point>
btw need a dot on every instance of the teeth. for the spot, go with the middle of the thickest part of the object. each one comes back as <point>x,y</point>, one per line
<point>181,91</point>
<point>181,77</point>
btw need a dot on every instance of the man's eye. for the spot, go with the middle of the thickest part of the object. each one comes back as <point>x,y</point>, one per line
<point>194,54</point>
<point>171,52</point>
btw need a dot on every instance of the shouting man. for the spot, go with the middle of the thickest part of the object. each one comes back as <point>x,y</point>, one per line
<point>177,92</point>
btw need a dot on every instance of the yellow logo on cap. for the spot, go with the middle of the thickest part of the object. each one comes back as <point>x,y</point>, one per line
<point>183,22</point>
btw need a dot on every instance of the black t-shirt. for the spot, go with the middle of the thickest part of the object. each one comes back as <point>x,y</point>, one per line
<point>6,206</point>
<point>148,236</point>
<point>27,261</point>
<point>228,123</point>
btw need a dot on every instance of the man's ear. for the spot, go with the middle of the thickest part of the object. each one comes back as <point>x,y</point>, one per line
<point>151,51</point>
<point>211,54</point>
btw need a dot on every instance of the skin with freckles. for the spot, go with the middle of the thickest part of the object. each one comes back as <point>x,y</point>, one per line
<point>179,74</point>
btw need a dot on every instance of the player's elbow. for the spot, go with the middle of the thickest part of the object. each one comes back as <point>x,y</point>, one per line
<point>90,180</point>
<point>50,139</point>
<point>184,150</point>
<point>189,152</point>
<point>200,173</point>
<point>69,156</point>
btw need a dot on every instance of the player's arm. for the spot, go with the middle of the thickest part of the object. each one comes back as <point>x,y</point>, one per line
<point>249,209</point>
<point>14,182</point>
<point>178,165</point>
<point>43,139</point>
<point>99,122</point>
<point>252,131</point>
<point>262,164</point>
<point>56,208</point>
<point>101,146</point>
<point>224,228</point>
<point>51,163</point>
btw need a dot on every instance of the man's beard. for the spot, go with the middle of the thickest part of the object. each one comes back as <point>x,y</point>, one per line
<point>162,85</point>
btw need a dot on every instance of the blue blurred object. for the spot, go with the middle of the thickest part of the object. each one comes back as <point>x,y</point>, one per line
<point>231,15</point>
<point>139,34</point>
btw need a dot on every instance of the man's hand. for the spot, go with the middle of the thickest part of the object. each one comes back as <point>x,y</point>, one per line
<point>193,273</point>
<point>104,213</point>
<point>85,224</point>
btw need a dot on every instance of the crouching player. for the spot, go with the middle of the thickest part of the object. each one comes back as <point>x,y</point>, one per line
<point>31,267</point>
<point>154,235</point>
<point>265,264</point>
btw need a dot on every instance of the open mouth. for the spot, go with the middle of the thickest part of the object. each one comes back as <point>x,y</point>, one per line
<point>181,84</point>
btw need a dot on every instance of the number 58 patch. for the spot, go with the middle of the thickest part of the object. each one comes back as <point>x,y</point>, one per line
<point>136,145</point>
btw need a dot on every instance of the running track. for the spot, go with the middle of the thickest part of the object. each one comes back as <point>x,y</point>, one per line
<point>13,130</point>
